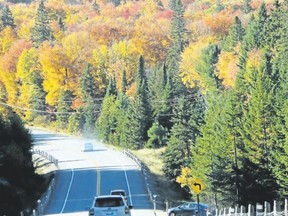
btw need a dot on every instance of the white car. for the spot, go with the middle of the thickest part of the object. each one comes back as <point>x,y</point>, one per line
<point>113,205</point>
<point>119,192</point>
<point>87,147</point>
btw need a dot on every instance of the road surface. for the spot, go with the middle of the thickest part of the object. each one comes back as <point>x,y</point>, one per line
<point>83,175</point>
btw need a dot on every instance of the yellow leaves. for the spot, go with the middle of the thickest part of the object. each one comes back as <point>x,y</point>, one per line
<point>186,178</point>
<point>227,68</point>
<point>253,63</point>
<point>189,62</point>
<point>7,37</point>
<point>55,75</point>
<point>77,46</point>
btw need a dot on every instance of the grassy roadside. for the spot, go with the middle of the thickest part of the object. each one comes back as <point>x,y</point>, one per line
<point>161,186</point>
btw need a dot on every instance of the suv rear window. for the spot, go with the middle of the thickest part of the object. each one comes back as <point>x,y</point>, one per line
<point>109,202</point>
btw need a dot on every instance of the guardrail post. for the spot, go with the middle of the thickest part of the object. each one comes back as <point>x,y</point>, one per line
<point>286,207</point>
<point>242,210</point>
<point>275,208</point>
<point>250,210</point>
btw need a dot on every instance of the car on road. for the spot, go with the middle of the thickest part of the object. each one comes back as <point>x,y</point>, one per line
<point>119,192</point>
<point>87,147</point>
<point>189,208</point>
<point>113,205</point>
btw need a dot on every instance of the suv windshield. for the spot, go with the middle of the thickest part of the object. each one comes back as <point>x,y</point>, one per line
<point>109,202</point>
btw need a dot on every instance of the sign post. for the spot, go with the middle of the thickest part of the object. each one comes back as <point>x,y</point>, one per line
<point>197,186</point>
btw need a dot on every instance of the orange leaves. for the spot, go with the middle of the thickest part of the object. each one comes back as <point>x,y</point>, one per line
<point>219,23</point>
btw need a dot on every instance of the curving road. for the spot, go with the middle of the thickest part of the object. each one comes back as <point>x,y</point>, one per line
<point>82,175</point>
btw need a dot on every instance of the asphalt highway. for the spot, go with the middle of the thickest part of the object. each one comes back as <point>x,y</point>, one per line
<point>83,175</point>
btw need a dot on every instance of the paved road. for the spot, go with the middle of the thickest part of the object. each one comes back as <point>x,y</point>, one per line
<point>82,175</point>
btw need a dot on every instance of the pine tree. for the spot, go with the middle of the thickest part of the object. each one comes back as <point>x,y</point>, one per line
<point>157,136</point>
<point>122,103</point>
<point>37,94</point>
<point>87,84</point>
<point>140,110</point>
<point>206,67</point>
<point>64,109</point>
<point>178,38</point>
<point>234,36</point>
<point>247,7</point>
<point>111,88</point>
<point>89,96</point>
<point>259,135</point>
<point>7,18</point>
<point>124,82</point>
<point>61,23</point>
<point>96,7</point>
<point>41,31</point>
<point>187,118</point>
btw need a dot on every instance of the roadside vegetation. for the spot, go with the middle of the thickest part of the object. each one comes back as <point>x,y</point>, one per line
<point>20,186</point>
<point>204,80</point>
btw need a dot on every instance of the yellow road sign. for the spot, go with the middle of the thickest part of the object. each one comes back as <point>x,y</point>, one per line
<point>197,185</point>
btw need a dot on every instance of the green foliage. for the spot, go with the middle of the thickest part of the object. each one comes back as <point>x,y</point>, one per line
<point>178,38</point>
<point>7,18</point>
<point>187,118</point>
<point>157,136</point>
<point>206,67</point>
<point>247,7</point>
<point>41,31</point>
<point>234,36</point>
<point>19,184</point>
<point>64,109</point>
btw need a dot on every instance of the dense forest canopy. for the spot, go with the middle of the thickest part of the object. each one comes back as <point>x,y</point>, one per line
<point>204,79</point>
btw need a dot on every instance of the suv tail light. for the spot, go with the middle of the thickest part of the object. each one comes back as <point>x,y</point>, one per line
<point>91,212</point>
<point>127,210</point>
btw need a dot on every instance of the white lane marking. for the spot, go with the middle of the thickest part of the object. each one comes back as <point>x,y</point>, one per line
<point>126,177</point>
<point>68,191</point>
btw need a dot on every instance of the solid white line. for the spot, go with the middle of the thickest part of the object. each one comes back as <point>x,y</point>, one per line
<point>68,191</point>
<point>126,177</point>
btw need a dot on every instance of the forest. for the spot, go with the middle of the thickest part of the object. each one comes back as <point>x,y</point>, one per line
<point>207,80</point>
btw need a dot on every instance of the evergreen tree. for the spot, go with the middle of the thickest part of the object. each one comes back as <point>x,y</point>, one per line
<point>37,94</point>
<point>178,38</point>
<point>259,134</point>
<point>247,7</point>
<point>87,85</point>
<point>124,82</point>
<point>111,88</point>
<point>234,36</point>
<point>140,110</point>
<point>122,103</point>
<point>106,123</point>
<point>206,67</point>
<point>89,97</point>
<point>187,118</point>
<point>7,18</point>
<point>19,183</point>
<point>41,31</point>
<point>64,109</point>
<point>157,136</point>
<point>96,7</point>
<point>61,23</point>
<point>219,6</point>
<point>76,122</point>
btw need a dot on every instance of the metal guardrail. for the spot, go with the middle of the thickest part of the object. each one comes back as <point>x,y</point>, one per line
<point>43,201</point>
<point>143,169</point>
